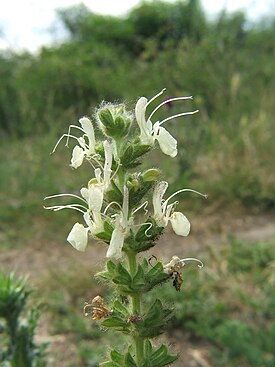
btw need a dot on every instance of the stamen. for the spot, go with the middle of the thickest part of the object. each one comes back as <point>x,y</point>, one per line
<point>148,229</point>
<point>178,115</point>
<point>69,132</point>
<point>109,205</point>
<point>116,171</point>
<point>125,204</point>
<point>76,207</point>
<point>183,190</point>
<point>59,195</point>
<point>156,96</point>
<point>200,265</point>
<point>87,305</point>
<point>144,206</point>
<point>167,101</point>
<point>59,140</point>
<point>94,157</point>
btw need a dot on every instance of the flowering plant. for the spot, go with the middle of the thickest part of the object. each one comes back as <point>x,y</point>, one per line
<point>114,210</point>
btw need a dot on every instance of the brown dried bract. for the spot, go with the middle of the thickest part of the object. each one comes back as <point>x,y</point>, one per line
<point>134,319</point>
<point>177,280</point>
<point>97,308</point>
<point>173,268</point>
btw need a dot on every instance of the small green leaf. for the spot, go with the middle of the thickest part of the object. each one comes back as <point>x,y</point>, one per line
<point>114,194</point>
<point>106,117</point>
<point>127,155</point>
<point>123,277</point>
<point>148,347</point>
<point>120,309</point>
<point>139,278</point>
<point>140,149</point>
<point>129,361</point>
<point>117,357</point>
<point>114,322</point>
<point>109,364</point>
<point>111,267</point>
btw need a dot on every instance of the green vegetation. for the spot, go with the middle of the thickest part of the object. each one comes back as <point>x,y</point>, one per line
<point>227,64</point>
<point>17,347</point>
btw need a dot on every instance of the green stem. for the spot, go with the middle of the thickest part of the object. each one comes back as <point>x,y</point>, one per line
<point>136,309</point>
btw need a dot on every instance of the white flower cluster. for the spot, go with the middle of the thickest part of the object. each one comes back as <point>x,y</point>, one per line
<point>93,204</point>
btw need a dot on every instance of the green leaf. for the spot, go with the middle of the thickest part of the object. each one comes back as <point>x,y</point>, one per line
<point>108,227</point>
<point>114,322</point>
<point>154,321</point>
<point>148,347</point>
<point>129,361</point>
<point>123,276</point>
<point>120,309</point>
<point>114,194</point>
<point>139,279</point>
<point>103,274</point>
<point>106,117</point>
<point>117,357</point>
<point>109,364</point>
<point>140,149</point>
<point>111,267</point>
<point>127,155</point>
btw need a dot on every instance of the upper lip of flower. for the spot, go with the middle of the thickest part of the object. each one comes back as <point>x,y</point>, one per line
<point>121,229</point>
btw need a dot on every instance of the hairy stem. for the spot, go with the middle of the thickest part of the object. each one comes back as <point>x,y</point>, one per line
<point>136,309</point>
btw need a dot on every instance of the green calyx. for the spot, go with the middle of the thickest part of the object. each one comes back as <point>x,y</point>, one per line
<point>155,357</point>
<point>114,121</point>
<point>145,278</point>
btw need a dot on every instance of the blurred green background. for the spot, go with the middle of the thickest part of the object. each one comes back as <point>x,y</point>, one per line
<point>226,150</point>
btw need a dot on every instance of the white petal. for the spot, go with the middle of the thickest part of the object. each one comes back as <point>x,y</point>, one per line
<point>82,143</point>
<point>77,157</point>
<point>78,237</point>
<point>95,200</point>
<point>108,162</point>
<point>94,197</point>
<point>180,224</point>
<point>87,219</point>
<point>140,110</point>
<point>85,193</point>
<point>87,126</point>
<point>167,143</point>
<point>158,193</point>
<point>145,128</point>
<point>116,244</point>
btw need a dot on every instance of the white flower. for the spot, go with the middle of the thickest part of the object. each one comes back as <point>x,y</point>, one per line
<point>93,199</point>
<point>120,231</point>
<point>164,212</point>
<point>78,237</point>
<point>150,132</point>
<point>86,147</point>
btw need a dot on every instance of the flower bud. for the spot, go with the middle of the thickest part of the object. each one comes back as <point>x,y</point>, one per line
<point>151,175</point>
<point>114,121</point>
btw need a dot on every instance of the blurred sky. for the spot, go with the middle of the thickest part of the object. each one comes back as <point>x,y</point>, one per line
<point>28,24</point>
